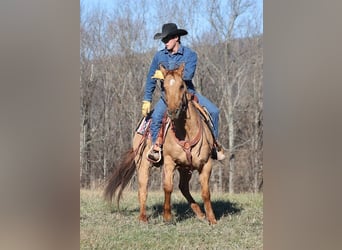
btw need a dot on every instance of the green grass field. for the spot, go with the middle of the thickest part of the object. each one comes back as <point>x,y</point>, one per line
<point>102,226</point>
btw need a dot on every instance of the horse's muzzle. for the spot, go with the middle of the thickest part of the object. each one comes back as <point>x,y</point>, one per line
<point>174,114</point>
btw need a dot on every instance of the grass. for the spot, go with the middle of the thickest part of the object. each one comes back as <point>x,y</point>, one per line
<point>103,226</point>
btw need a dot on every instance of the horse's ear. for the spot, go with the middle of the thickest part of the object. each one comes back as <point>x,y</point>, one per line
<point>162,69</point>
<point>181,68</point>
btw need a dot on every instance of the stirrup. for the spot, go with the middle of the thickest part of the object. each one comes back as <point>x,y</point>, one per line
<point>152,152</point>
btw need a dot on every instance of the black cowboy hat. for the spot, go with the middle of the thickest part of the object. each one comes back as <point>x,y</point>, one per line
<point>170,29</point>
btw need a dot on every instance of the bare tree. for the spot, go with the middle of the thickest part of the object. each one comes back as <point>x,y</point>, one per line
<point>232,73</point>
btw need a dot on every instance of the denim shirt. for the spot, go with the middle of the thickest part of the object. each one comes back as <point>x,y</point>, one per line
<point>170,62</point>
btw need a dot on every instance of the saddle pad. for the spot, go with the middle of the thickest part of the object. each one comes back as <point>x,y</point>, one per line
<point>143,125</point>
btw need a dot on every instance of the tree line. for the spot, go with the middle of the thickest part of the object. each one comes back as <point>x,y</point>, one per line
<point>116,49</point>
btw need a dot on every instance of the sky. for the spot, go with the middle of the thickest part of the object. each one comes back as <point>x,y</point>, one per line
<point>110,3</point>
<point>200,25</point>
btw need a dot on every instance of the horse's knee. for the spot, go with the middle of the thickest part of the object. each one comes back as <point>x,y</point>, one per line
<point>205,195</point>
<point>168,187</point>
<point>168,183</point>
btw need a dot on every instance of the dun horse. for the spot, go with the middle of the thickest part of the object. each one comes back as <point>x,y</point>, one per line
<point>187,146</point>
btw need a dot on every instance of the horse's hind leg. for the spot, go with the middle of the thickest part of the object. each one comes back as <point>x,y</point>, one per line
<point>184,178</point>
<point>204,180</point>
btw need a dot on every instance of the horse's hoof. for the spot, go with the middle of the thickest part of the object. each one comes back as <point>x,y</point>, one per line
<point>212,222</point>
<point>167,218</point>
<point>201,217</point>
<point>143,219</point>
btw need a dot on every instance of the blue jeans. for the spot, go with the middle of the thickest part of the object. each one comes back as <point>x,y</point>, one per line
<point>160,109</point>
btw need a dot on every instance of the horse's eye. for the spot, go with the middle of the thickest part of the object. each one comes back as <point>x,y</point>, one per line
<point>181,87</point>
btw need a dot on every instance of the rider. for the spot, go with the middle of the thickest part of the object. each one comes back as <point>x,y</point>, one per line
<point>172,56</point>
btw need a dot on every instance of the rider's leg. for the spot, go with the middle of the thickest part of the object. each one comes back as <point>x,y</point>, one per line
<point>214,113</point>
<point>156,123</point>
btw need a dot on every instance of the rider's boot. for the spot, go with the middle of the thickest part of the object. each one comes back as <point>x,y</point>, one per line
<point>217,152</point>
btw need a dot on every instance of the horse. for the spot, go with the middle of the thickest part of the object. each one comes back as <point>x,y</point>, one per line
<point>187,146</point>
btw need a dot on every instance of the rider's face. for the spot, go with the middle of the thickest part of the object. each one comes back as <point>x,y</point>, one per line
<point>170,42</point>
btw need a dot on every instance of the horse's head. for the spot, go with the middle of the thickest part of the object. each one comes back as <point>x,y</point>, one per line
<point>175,91</point>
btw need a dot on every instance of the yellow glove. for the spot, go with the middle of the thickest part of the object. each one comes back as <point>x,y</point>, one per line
<point>158,75</point>
<point>146,108</point>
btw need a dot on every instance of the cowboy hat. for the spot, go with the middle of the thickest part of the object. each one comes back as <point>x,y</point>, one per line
<point>170,29</point>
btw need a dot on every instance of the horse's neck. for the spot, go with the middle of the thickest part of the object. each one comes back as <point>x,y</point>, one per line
<point>186,128</point>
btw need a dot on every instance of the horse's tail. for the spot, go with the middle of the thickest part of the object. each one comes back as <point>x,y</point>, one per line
<point>120,177</point>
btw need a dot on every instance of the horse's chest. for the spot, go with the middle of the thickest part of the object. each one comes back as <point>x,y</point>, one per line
<point>188,157</point>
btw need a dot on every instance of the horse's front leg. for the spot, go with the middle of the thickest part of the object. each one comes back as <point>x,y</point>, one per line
<point>143,174</point>
<point>204,180</point>
<point>169,167</point>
